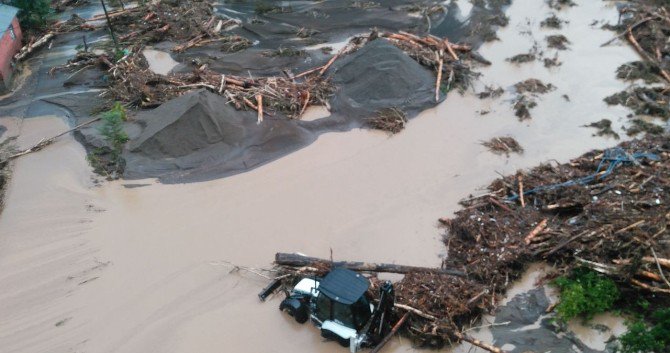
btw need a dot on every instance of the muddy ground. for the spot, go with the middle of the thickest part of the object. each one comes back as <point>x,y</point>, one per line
<point>133,265</point>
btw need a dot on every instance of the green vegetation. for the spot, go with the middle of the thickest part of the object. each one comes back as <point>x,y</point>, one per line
<point>34,14</point>
<point>107,160</point>
<point>643,338</point>
<point>112,130</point>
<point>585,293</point>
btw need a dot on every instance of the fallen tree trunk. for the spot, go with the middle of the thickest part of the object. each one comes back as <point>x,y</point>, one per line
<point>297,260</point>
<point>25,51</point>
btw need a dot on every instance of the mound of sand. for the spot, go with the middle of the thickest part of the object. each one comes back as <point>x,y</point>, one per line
<point>188,124</point>
<point>199,136</point>
<point>378,76</point>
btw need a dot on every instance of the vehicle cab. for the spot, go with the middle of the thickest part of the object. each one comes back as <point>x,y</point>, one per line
<point>337,304</point>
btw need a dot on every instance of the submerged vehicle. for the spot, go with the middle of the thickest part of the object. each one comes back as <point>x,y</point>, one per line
<point>339,305</point>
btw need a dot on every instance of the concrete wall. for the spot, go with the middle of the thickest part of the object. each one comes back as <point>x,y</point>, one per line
<point>8,47</point>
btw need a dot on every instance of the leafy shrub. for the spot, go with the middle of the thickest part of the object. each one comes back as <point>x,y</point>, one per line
<point>112,130</point>
<point>33,14</point>
<point>641,338</point>
<point>585,293</point>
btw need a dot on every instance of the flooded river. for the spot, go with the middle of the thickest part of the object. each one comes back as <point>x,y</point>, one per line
<point>132,266</point>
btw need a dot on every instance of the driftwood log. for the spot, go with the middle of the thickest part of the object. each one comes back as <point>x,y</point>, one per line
<point>297,260</point>
<point>46,141</point>
<point>25,51</point>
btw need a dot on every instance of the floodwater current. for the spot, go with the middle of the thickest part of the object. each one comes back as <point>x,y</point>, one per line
<point>96,266</point>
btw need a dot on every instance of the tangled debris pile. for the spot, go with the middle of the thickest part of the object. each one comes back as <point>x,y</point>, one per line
<point>135,84</point>
<point>552,22</point>
<point>606,210</point>
<point>491,92</point>
<point>503,145</point>
<point>652,101</point>
<point>72,24</point>
<point>451,61</point>
<point>551,62</point>
<point>392,120</point>
<point>83,60</point>
<point>613,221</point>
<point>646,26</point>
<point>557,41</point>
<point>560,4</point>
<point>604,127</point>
<point>527,91</point>
<point>522,58</point>
<point>638,125</point>
<point>192,23</point>
<point>639,70</point>
<point>533,85</point>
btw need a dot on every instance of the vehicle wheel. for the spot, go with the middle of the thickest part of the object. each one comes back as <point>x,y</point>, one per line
<point>296,309</point>
<point>301,315</point>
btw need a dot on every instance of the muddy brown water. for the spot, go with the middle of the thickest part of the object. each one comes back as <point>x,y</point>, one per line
<point>113,268</point>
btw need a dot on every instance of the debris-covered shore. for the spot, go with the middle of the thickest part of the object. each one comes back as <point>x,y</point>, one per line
<point>277,76</point>
<point>572,215</point>
<point>645,25</point>
<point>607,210</point>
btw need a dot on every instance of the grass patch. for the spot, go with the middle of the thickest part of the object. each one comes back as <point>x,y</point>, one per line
<point>585,293</point>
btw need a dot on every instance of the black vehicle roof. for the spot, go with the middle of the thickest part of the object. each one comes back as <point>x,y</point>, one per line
<point>344,286</point>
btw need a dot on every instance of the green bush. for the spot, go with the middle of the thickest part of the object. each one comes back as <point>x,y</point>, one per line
<point>585,293</point>
<point>33,14</point>
<point>112,130</point>
<point>641,338</point>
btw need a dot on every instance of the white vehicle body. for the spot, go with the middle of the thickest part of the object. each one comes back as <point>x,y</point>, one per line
<point>310,286</point>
